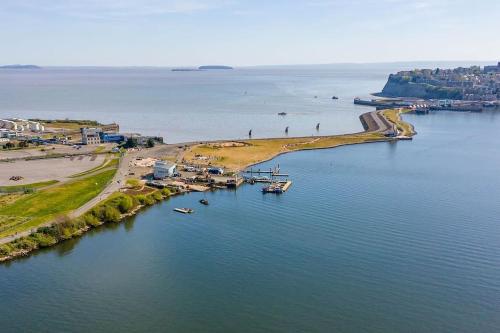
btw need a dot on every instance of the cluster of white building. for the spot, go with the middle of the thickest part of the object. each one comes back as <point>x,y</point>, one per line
<point>21,125</point>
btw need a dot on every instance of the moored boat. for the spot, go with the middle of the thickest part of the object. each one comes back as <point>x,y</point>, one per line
<point>204,202</point>
<point>184,210</point>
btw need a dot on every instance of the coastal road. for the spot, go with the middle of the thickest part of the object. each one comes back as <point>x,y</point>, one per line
<point>116,183</point>
<point>372,121</point>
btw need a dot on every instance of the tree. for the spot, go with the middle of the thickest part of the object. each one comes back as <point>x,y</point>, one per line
<point>150,143</point>
<point>23,144</point>
<point>130,143</point>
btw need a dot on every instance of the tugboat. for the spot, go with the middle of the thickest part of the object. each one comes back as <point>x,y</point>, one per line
<point>184,210</point>
<point>204,202</point>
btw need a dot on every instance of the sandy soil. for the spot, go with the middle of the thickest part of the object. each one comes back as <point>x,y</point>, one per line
<point>51,149</point>
<point>46,169</point>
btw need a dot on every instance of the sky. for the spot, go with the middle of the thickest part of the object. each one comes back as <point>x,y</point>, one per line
<point>245,33</point>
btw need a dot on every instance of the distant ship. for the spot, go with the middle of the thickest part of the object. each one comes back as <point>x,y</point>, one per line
<point>282,114</point>
<point>335,97</point>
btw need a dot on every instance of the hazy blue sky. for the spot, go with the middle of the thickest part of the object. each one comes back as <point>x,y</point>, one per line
<point>237,32</point>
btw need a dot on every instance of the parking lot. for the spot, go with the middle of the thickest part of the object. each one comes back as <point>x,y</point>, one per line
<point>46,169</point>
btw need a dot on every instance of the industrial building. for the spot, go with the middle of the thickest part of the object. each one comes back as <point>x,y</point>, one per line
<point>164,169</point>
<point>91,136</point>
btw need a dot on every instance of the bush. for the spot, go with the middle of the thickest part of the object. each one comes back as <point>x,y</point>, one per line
<point>111,214</point>
<point>25,243</point>
<point>5,249</point>
<point>134,182</point>
<point>157,196</point>
<point>43,240</point>
<point>150,143</point>
<point>166,192</point>
<point>125,204</point>
<point>91,220</point>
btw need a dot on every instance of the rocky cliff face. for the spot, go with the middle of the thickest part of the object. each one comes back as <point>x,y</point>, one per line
<point>398,86</point>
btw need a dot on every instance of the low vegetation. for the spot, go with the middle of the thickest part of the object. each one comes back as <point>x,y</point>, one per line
<point>110,211</point>
<point>27,188</point>
<point>108,163</point>
<point>34,209</point>
<point>248,152</point>
<point>394,116</point>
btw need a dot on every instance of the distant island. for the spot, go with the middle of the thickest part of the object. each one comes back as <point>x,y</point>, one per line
<point>214,67</point>
<point>17,66</point>
<point>472,84</point>
<point>185,70</point>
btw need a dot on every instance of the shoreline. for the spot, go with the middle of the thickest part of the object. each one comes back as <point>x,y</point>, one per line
<point>358,138</point>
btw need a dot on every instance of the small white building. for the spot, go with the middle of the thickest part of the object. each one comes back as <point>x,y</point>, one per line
<point>164,169</point>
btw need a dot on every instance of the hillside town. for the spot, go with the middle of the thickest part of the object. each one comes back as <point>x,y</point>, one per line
<point>470,84</point>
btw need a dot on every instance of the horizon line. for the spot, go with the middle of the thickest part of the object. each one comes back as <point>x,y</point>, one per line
<point>262,65</point>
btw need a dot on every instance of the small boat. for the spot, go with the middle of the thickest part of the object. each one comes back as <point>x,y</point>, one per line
<point>204,202</point>
<point>273,188</point>
<point>282,114</point>
<point>184,210</point>
<point>335,97</point>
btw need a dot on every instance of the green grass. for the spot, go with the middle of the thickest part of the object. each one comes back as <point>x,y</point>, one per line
<point>108,211</point>
<point>106,164</point>
<point>47,204</point>
<point>26,187</point>
<point>99,149</point>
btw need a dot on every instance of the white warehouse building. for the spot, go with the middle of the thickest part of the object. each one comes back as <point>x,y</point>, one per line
<point>164,169</point>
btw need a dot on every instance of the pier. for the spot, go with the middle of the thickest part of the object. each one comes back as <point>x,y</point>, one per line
<point>277,187</point>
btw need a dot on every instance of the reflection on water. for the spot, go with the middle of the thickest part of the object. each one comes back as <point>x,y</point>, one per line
<point>384,237</point>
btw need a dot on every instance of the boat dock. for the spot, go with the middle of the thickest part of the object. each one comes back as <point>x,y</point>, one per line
<point>275,173</point>
<point>277,187</point>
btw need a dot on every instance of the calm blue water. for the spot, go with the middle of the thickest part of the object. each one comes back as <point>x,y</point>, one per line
<point>401,237</point>
<point>191,106</point>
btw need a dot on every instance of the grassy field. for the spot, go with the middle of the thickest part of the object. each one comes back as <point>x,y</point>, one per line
<point>21,188</point>
<point>31,210</point>
<point>106,164</point>
<point>394,116</point>
<point>238,155</point>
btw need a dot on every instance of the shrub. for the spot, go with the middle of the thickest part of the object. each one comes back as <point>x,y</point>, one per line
<point>166,192</point>
<point>157,196</point>
<point>5,249</point>
<point>141,199</point>
<point>43,240</point>
<point>133,182</point>
<point>25,243</point>
<point>125,204</point>
<point>111,214</point>
<point>91,220</point>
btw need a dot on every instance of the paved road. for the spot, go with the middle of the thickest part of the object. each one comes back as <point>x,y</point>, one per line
<point>112,187</point>
<point>161,150</point>
<point>115,185</point>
